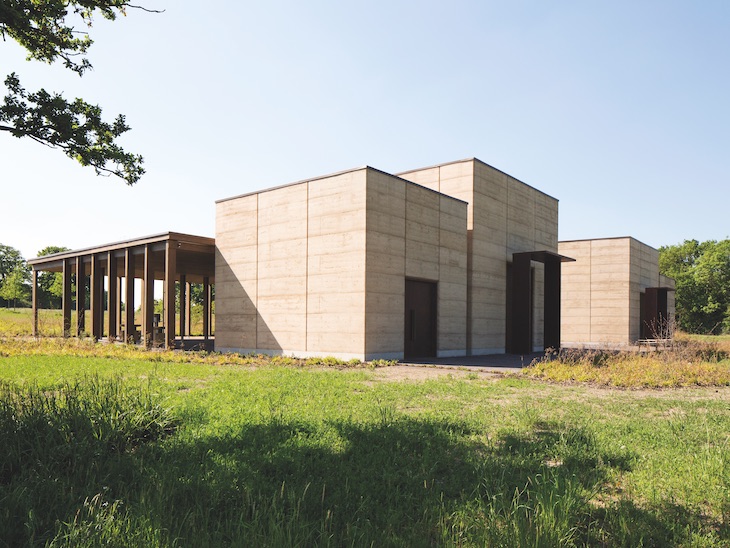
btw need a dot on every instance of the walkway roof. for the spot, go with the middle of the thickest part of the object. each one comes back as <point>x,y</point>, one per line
<point>195,254</point>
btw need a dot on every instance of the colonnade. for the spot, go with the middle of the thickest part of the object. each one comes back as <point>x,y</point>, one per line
<point>172,260</point>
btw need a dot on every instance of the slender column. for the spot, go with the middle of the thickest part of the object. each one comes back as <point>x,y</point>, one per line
<point>34,301</point>
<point>148,309</point>
<point>206,308</point>
<point>183,306</point>
<point>113,296</point>
<point>169,282</point>
<point>66,298</point>
<point>118,304</point>
<point>96,286</point>
<point>93,304</point>
<point>80,296</point>
<point>552,304</point>
<point>100,298</point>
<point>129,296</point>
<point>188,308</point>
<point>521,304</point>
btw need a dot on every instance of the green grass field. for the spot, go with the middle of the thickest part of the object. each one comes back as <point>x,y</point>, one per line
<point>106,445</point>
<point>19,322</point>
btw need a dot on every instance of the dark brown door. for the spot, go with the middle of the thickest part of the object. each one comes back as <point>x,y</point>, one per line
<point>654,313</point>
<point>420,320</point>
<point>520,299</point>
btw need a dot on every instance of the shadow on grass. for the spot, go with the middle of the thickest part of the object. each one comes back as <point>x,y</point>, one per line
<point>399,482</point>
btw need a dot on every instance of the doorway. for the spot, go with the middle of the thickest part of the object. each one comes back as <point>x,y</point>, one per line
<point>519,335</point>
<point>420,320</point>
<point>653,313</point>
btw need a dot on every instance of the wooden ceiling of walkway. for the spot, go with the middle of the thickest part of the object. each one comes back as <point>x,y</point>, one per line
<point>195,256</point>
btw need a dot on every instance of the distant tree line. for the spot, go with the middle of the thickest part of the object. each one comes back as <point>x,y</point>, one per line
<point>15,289</point>
<point>702,275</point>
<point>14,277</point>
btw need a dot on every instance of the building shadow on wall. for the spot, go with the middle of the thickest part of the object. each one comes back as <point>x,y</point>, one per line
<point>239,325</point>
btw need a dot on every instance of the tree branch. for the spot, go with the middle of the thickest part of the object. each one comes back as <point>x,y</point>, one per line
<point>41,27</point>
<point>75,127</point>
<point>148,10</point>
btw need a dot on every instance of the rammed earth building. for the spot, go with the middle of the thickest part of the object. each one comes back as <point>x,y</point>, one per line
<point>613,294</point>
<point>452,260</point>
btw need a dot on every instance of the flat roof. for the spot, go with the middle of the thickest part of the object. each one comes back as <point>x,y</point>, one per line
<point>206,244</point>
<point>604,239</point>
<point>336,174</point>
<point>475,159</point>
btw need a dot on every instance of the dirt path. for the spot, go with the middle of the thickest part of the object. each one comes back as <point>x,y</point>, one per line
<point>397,373</point>
<point>426,372</point>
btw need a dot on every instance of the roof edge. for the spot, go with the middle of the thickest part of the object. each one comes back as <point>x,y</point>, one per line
<point>285,185</point>
<point>608,238</point>
<point>475,159</point>
<point>131,242</point>
<point>336,174</point>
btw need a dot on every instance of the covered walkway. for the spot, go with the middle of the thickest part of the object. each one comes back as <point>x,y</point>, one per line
<point>171,257</point>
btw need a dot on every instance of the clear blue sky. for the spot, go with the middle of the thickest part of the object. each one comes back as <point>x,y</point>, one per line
<point>619,109</point>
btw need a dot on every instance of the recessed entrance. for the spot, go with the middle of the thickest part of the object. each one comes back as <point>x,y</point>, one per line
<point>527,326</point>
<point>420,320</point>
<point>653,313</point>
<point>520,291</point>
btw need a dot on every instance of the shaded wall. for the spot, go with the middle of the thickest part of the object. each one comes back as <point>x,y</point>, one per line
<point>292,267</point>
<point>413,232</point>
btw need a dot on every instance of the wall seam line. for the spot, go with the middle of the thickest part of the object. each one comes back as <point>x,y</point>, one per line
<point>306,276</point>
<point>256,326</point>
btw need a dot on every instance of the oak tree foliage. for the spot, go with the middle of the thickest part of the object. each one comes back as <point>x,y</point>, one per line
<point>47,30</point>
<point>76,127</point>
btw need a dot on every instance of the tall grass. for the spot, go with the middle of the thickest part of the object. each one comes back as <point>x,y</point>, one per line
<point>61,445</point>
<point>721,342</point>
<point>688,362</point>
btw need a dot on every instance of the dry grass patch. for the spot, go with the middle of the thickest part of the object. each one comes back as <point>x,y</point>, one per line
<point>689,362</point>
<point>88,348</point>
